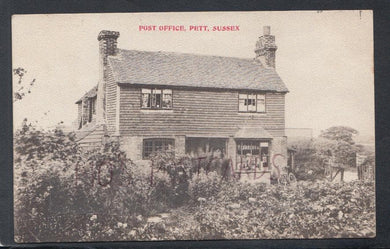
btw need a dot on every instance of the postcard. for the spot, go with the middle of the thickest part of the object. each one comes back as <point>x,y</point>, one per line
<point>193,126</point>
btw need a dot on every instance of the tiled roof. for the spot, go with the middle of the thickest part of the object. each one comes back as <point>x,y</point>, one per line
<point>90,94</point>
<point>190,70</point>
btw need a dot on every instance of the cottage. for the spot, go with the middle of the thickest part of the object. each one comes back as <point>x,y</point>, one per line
<point>194,104</point>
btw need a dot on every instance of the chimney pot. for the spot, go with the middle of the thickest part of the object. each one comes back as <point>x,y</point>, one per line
<point>106,34</point>
<point>266,48</point>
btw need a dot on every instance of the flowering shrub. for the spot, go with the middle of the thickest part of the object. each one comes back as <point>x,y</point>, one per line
<point>322,210</point>
<point>63,193</point>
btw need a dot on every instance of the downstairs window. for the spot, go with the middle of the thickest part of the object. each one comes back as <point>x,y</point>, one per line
<point>152,145</point>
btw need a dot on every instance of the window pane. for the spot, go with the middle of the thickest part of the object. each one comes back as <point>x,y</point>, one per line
<point>248,147</point>
<point>242,107</point>
<point>148,148</point>
<point>158,101</point>
<point>156,98</point>
<point>252,105</point>
<point>264,144</point>
<point>167,101</point>
<point>93,106</point>
<point>145,100</point>
<point>158,146</point>
<point>260,103</point>
<point>154,145</point>
<point>255,148</point>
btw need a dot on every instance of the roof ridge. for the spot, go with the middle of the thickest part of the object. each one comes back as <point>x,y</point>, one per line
<point>184,53</point>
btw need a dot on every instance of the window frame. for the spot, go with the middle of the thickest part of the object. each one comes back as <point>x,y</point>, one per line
<point>91,108</point>
<point>152,99</point>
<point>262,144</point>
<point>246,102</point>
<point>164,143</point>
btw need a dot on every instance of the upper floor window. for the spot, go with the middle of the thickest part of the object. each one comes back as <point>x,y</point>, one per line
<point>156,98</point>
<point>251,102</point>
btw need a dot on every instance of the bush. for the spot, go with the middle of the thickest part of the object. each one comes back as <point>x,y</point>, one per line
<point>309,166</point>
<point>204,185</point>
<point>65,194</point>
<point>319,210</point>
<point>58,186</point>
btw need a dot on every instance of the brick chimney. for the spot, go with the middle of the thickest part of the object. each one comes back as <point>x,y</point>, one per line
<point>266,48</point>
<point>107,47</point>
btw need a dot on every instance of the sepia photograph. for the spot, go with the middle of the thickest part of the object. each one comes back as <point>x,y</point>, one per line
<point>193,126</point>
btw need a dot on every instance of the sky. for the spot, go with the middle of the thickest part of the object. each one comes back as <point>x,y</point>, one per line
<point>325,58</point>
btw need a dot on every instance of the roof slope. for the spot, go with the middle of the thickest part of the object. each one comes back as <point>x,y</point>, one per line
<point>190,70</point>
<point>90,94</point>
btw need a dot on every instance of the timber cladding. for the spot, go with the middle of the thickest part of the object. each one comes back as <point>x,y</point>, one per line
<point>199,112</point>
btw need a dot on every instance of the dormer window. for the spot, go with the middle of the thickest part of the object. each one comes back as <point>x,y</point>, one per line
<point>251,102</point>
<point>156,98</point>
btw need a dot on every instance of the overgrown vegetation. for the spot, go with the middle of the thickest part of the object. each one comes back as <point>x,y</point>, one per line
<point>335,146</point>
<point>63,193</point>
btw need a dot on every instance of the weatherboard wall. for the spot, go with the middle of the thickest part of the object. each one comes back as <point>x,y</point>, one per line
<point>196,112</point>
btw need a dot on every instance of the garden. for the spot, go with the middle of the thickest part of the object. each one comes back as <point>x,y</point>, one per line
<point>64,193</point>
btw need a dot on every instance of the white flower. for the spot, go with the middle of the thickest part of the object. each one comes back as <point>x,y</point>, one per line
<point>201,199</point>
<point>124,225</point>
<point>139,218</point>
<point>120,224</point>
<point>252,200</point>
<point>93,217</point>
<point>132,232</point>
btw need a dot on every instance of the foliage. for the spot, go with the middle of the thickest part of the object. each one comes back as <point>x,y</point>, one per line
<point>21,88</point>
<point>58,184</point>
<point>307,164</point>
<point>204,186</point>
<point>335,146</point>
<point>343,148</point>
<point>340,133</point>
<point>63,193</point>
<point>320,210</point>
<point>190,177</point>
<point>32,144</point>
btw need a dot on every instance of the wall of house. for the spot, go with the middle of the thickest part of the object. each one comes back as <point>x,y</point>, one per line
<point>197,112</point>
<point>278,154</point>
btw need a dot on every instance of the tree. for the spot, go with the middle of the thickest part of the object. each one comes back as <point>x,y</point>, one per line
<point>343,148</point>
<point>340,133</point>
<point>21,88</point>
